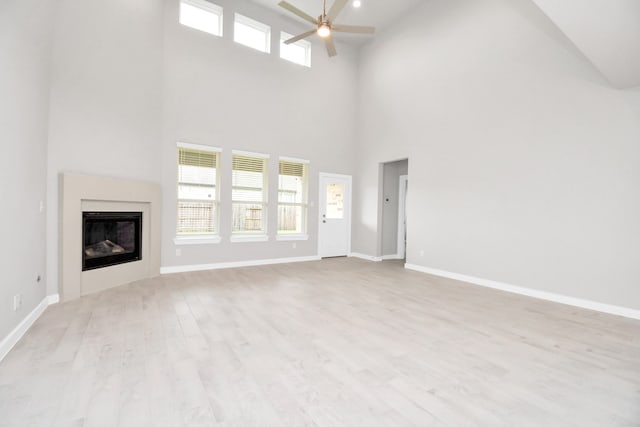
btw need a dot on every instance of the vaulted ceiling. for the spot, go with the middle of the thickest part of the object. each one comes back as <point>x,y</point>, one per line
<point>607,32</point>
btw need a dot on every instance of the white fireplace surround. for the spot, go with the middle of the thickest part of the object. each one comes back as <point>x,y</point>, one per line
<point>80,193</point>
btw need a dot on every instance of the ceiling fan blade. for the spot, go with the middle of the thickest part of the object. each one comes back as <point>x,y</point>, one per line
<point>353,29</point>
<point>336,8</point>
<point>291,8</point>
<point>300,36</point>
<point>331,47</point>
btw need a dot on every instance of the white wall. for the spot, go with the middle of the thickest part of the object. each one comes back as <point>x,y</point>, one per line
<point>525,157</point>
<point>220,93</point>
<point>128,82</point>
<point>106,88</point>
<point>524,161</point>
<point>25,54</point>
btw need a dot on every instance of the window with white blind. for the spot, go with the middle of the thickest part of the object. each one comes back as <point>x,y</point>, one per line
<point>252,33</point>
<point>198,190</point>
<point>249,194</point>
<point>298,52</point>
<point>201,15</point>
<point>292,197</point>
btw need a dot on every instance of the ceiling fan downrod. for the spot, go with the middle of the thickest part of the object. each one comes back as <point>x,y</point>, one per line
<point>324,26</point>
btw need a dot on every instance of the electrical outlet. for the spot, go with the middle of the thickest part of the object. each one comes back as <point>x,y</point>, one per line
<point>178,252</point>
<point>422,253</point>
<point>17,302</point>
<point>41,206</point>
<point>294,245</point>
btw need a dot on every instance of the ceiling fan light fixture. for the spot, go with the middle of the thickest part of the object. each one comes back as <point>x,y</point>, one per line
<point>324,30</point>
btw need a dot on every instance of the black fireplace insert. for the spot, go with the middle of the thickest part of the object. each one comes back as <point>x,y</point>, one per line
<point>110,238</point>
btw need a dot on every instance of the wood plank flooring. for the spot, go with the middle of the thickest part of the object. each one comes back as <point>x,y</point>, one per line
<point>338,342</point>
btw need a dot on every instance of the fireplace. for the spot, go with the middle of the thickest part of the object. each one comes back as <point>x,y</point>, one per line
<point>110,238</point>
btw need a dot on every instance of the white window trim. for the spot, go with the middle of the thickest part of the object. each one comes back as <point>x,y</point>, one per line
<point>293,160</point>
<point>205,5</point>
<point>197,239</point>
<point>192,146</point>
<point>204,238</point>
<point>209,7</point>
<point>247,238</point>
<point>257,25</point>
<point>284,36</point>
<point>283,237</point>
<point>250,154</point>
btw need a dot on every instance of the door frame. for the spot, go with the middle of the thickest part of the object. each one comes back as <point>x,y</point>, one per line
<point>348,196</point>
<point>402,215</point>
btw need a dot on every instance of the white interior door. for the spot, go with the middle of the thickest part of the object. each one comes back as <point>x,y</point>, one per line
<point>334,228</point>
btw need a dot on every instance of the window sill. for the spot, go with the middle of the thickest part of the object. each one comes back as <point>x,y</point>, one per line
<point>238,238</point>
<point>203,239</point>
<point>289,237</point>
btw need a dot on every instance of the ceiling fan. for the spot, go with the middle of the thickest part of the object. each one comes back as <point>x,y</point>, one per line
<point>324,24</point>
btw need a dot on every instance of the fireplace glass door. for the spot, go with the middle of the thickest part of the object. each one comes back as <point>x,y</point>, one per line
<point>110,238</point>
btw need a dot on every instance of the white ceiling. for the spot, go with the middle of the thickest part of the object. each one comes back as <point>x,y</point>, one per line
<point>607,32</point>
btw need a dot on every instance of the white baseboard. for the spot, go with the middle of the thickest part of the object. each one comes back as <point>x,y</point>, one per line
<point>235,264</point>
<point>14,336</point>
<point>53,299</point>
<point>363,256</point>
<point>549,296</point>
<point>374,258</point>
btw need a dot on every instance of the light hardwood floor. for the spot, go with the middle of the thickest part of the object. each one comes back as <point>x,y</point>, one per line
<point>339,342</point>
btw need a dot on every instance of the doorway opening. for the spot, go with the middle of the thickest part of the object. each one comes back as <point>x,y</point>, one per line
<point>392,234</point>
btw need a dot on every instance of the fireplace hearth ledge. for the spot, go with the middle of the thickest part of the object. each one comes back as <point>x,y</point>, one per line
<point>80,193</point>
